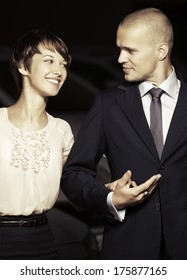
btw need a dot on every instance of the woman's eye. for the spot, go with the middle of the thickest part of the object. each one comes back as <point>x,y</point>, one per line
<point>49,61</point>
<point>64,65</point>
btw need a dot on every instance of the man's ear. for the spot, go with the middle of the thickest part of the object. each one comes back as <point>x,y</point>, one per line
<point>163,51</point>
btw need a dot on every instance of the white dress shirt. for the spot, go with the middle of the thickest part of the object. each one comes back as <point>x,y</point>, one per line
<point>171,87</point>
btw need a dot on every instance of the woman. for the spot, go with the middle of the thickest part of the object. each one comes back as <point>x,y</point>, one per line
<point>34,146</point>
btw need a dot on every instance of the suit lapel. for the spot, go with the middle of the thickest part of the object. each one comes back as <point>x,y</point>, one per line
<point>131,104</point>
<point>178,123</point>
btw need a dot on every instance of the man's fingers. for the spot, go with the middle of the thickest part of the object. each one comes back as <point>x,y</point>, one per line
<point>124,179</point>
<point>150,184</point>
<point>133,184</point>
<point>151,181</point>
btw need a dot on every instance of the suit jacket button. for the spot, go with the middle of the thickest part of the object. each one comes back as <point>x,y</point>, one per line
<point>157,207</point>
<point>162,167</point>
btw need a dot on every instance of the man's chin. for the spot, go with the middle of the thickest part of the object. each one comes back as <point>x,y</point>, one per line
<point>131,79</point>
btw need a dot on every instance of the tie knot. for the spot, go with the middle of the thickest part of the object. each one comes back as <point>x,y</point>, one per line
<point>156,92</point>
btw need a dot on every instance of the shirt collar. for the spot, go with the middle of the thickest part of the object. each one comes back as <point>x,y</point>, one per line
<point>170,85</point>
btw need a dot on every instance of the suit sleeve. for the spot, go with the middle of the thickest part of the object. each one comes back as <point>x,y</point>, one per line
<point>79,182</point>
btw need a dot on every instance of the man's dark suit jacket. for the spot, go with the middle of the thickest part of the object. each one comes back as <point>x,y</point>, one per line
<point>117,127</point>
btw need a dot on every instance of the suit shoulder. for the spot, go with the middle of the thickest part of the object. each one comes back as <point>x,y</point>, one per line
<point>115,90</point>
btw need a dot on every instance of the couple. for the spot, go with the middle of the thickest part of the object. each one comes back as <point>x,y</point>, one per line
<point>145,204</point>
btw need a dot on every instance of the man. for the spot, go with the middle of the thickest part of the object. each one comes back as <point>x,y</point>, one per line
<point>144,222</point>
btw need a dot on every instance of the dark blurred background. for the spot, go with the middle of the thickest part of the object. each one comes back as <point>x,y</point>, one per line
<point>89,30</point>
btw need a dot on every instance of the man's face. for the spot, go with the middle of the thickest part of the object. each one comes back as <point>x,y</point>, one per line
<point>138,53</point>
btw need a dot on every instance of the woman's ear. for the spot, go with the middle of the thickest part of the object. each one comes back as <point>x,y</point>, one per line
<point>163,51</point>
<point>22,70</point>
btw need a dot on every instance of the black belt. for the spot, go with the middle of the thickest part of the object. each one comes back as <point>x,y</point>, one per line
<point>31,222</point>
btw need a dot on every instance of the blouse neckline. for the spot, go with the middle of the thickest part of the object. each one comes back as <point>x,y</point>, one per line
<point>22,130</point>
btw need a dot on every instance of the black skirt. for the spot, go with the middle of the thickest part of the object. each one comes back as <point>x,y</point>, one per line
<point>27,243</point>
